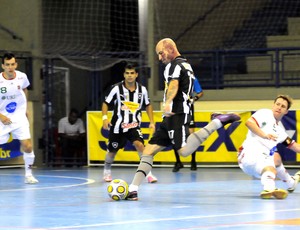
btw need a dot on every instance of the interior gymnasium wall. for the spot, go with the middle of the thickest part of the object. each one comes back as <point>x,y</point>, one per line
<point>245,99</point>
<point>21,32</point>
<point>24,19</point>
<point>240,99</point>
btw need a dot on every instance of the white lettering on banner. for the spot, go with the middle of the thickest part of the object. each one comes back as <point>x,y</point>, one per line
<point>129,125</point>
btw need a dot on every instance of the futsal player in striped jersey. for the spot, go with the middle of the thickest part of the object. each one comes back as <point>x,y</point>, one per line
<point>13,111</point>
<point>174,129</point>
<point>128,98</point>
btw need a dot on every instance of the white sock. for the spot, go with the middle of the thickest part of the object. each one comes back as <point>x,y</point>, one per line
<point>28,160</point>
<point>268,180</point>
<point>133,188</point>
<point>283,175</point>
<point>106,172</point>
<point>218,123</point>
<point>108,161</point>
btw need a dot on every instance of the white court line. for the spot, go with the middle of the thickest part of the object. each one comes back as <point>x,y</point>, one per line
<point>170,219</point>
<point>88,181</point>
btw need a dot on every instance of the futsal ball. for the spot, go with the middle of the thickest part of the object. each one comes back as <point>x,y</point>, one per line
<point>117,189</point>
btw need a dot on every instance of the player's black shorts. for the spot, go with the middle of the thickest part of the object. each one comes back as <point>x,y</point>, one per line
<point>117,141</point>
<point>173,130</point>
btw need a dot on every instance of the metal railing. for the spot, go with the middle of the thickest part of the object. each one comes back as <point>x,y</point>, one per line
<point>271,67</point>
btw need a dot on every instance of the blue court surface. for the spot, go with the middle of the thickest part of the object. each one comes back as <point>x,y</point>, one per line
<point>209,198</point>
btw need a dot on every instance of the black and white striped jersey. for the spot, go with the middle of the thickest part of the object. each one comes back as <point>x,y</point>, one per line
<point>182,71</point>
<point>127,106</point>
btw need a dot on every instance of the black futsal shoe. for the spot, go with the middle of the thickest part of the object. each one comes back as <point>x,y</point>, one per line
<point>133,196</point>
<point>193,166</point>
<point>177,167</point>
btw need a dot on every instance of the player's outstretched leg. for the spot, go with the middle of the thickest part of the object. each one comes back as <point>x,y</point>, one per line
<point>198,137</point>
<point>225,118</point>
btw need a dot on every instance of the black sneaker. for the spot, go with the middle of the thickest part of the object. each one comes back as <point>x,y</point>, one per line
<point>193,166</point>
<point>225,118</point>
<point>177,167</point>
<point>132,196</point>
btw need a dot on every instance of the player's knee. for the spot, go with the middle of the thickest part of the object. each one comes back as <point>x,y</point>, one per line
<point>269,170</point>
<point>139,146</point>
<point>27,146</point>
<point>184,152</point>
<point>147,154</point>
<point>110,155</point>
<point>147,159</point>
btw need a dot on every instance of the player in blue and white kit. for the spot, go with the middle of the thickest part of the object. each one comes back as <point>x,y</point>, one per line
<point>258,156</point>
<point>13,109</point>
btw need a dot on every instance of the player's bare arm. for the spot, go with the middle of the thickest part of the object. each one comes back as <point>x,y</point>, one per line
<point>26,95</point>
<point>253,127</point>
<point>106,124</point>
<point>171,93</point>
<point>149,110</point>
<point>294,146</point>
<point>5,120</point>
<point>198,95</point>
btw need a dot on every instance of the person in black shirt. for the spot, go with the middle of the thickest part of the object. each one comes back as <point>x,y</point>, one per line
<point>174,128</point>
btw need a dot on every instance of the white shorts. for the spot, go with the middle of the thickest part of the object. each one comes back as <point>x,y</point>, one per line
<point>253,160</point>
<point>21,133</point>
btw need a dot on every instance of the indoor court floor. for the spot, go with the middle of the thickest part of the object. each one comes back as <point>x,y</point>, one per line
<point>209,198</point>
